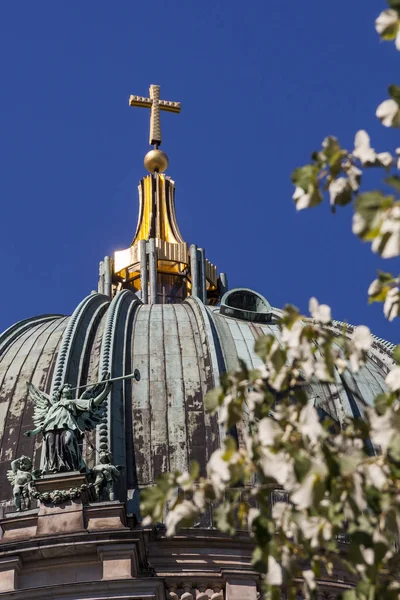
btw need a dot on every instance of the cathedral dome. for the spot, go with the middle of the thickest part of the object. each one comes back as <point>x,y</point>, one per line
<point>158,423</point>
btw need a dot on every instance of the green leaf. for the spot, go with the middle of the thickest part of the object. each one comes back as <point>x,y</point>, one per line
<point>224,518</point>
<point>368,205</point>
<point>263,345</point>
<point>304,176</point>
<point>230,447</point>
<point>261,531</point>
<point>259,560</point>
<point>396,354</point>
<point>394,448</point>
<point>194,470</point>
<point>394,92</point>
<point>344,197</point>
<point>212,399</point>
<point>394,182</point>
<point>302,465</point>
<point>381,403</point>
<point>349,595</point>
<point>395,4</point>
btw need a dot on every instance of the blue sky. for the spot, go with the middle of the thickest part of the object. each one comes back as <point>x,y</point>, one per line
<point>261,84</point>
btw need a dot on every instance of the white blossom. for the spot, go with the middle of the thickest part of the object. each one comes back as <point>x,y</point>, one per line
<point>254,398</point>
<point>387,242</point>
<point>354,176</point>
<point>277,465</point>
<point>309,424</point>
<point>268,431</point>
<point>384,158</point>
<point>384,427</point>
<point>300,348</point>
<point>309,579</point>
<point>393,379</point>
<point>391,307</point>
<point>375,476</point>
<point>388,112</point>
<point>374,288</point>
<point>274,575</point>
<point>218,472</point>
<point>253,514</point>
<point>306,199</point>
<point>184,511</point>
<point>361,341</point>
<point>387,25</point>
<point>362,148</point>
<point>320,312</point>
<point>303,496</point>
<point>340,191</point>
<point>368,554</point>
<point>362,338</point>
<point>367,155</point>
<point>185,481</point>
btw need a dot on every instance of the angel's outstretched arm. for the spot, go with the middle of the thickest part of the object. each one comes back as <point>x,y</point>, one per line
<point>97,400</point>
<point>32,432</point>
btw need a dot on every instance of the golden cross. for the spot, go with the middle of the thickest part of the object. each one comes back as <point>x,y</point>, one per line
<point>155,105</point>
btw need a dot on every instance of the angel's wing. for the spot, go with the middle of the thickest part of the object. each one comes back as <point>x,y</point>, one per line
<point>88,420</point>
<point>42,403</point>
<point>95,390</point>
<point>11,477</point>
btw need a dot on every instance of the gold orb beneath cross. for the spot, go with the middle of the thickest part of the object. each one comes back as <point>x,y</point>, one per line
<point>156,161</point>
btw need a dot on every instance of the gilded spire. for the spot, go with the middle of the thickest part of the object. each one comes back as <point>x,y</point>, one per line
<point>155,161</point>
<point>158,265</point>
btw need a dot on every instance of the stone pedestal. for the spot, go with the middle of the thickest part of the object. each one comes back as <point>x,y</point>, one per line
<point>103,516</point>
<point>120,561</point>
<point>19,525</point>
<point>239,589</point>
<point>65,516</point>
<point>9,569</point>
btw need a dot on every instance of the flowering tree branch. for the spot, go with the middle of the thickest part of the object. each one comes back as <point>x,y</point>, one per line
<point>312,493</point>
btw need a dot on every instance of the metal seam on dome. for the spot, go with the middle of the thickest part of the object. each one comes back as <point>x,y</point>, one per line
<point>182,382</point>
<point>90,333</point>
<point>103,440</point>
<point>130,469</point>
<point>68,337</point>
<point>12,333</point>
<point>33,334</point>
<point>202,315</point>
<point>32,375</point>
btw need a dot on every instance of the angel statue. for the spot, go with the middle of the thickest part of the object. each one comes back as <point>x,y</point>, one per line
<point>63,420</point>
<point>106,475</point>
<point>22,478</point>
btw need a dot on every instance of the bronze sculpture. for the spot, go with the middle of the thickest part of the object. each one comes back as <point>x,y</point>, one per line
<point>63,421</point>
<point>106,476</point>
<point>22,478</point>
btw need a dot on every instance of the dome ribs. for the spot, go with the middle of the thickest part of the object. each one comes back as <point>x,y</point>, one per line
<point>203,441</point>
<point>73,341</point>
<point>129,388</point>
<point>158,393</point>
<point>141,403</point>
<point>180,458</point>
<point>111,435</point>
<point>26,359</point>
<point>12,333</point>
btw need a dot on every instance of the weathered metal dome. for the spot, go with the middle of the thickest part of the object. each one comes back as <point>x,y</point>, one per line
<point>159,423</point>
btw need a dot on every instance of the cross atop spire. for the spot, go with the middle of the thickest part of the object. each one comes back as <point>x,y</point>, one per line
<point>155,105</point>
